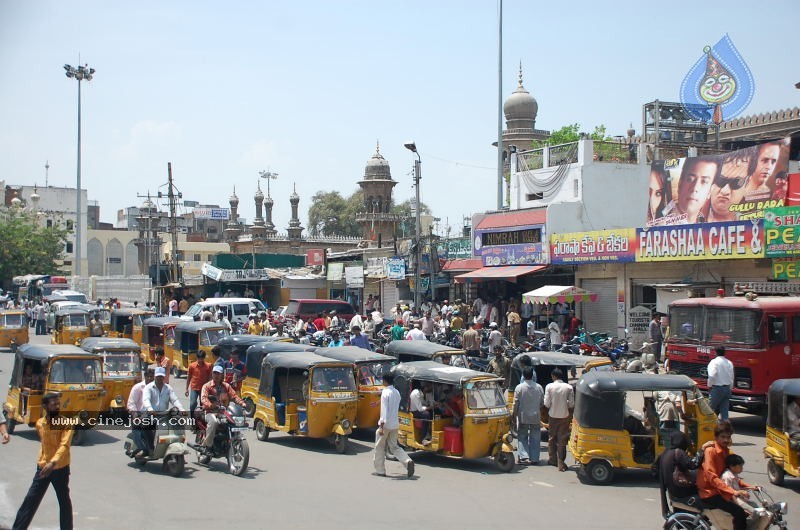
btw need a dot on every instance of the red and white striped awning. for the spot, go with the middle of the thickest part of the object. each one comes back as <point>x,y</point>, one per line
<point>508,273</point>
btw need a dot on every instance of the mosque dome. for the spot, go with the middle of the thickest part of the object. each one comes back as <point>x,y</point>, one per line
<point>520,108</point>
<point>234,199</point>
<point>377,167</point>
<point>259,196</point>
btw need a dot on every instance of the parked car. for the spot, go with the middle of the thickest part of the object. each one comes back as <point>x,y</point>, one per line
<point>236,309</point>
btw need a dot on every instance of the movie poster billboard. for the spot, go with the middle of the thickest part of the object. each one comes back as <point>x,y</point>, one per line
<point>731,240</point>
<point>734,186</point>
<point>599,246</point>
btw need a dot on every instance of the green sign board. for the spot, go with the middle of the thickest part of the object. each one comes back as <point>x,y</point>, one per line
<point>786,268</point>
<point>458,248</point>
<point>782,232</point>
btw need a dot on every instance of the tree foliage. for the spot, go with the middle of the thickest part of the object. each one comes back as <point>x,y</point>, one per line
<point>331,214</point>
<point>570,133</point>
<point>26,247</point>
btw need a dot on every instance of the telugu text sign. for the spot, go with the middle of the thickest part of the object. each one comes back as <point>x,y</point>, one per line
<point>733,240</point>
<point>600,246</point>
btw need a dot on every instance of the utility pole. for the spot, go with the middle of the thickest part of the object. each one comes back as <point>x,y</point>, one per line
<point>173,226</point>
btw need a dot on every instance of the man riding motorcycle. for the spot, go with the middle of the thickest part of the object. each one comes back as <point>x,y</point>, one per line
<point>214,388</point>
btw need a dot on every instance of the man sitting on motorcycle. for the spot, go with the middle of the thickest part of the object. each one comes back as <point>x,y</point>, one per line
<point>214,388</point>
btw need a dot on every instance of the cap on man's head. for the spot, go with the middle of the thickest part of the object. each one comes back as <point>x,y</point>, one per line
<point>493,325</point>
<point>161,372</point>
<point>218,369</point>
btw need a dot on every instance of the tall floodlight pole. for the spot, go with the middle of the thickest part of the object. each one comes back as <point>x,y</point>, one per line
<point>500,106</point>
<point>81,73</point>
<point>411,146</point>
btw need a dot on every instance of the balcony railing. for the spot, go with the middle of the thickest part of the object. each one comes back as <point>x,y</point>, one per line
<point>530,160</point>
<point>616,152</point>
<point>563,154</point>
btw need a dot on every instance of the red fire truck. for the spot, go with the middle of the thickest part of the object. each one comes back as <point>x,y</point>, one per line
<point>761,335</point>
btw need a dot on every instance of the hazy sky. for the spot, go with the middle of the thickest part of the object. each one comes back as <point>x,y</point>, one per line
<point>225,89</point>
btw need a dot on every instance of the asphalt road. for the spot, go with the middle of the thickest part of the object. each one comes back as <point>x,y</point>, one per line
<point>300,483</point>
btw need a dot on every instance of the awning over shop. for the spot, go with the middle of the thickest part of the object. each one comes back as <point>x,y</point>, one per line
<point>508,273</point>
<point>461,265</point>
<point>558,293</point>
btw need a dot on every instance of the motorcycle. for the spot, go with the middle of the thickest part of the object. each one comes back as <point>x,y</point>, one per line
<point>168,444</point>
<point>692,516</point>
<point>229,439</point>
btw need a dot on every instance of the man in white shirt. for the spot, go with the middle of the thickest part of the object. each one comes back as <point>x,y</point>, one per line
<point>559,399</point>
<point>416,333</point>
<point>158,395</point>
<point>356,321</point>
<point>388,425</point>
<point>421,410</point>
<point>720,383</point>
<point>793,416</point>
<point>495,337</point>
<point>555,335</point>
<point>135,407</point>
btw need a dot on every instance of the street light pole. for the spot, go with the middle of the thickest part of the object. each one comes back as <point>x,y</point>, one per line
<point>80,73</point>
<point>411,146</point>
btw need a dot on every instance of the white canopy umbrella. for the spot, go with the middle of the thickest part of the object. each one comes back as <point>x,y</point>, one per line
<point>558,293</point>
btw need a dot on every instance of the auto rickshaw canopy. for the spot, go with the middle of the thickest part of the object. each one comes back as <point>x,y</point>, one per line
<point>126,315</point>
<point>421,349</point>
<point>187,333</point>
<point>287,362</point>
<point>238,343</point>
<point>354,354</point>
<point>600,396</point>
<point>778,396</point>
<point>158,323</point>
<point>439,373</point>
<point>254,355</point>
<point>44,352</point>
<point>70,310</point>
<point>101,344</point>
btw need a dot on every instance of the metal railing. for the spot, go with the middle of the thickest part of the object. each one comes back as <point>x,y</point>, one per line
<point>616,152</point>
<point>559,155</point>
<point>530,160</point>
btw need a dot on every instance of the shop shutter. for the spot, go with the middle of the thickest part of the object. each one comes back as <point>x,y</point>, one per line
<point>389,297</point>
<point>600,315</point>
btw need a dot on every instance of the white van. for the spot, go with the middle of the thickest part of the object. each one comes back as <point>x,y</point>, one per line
<point>236,309</point>
<point>73,296</point>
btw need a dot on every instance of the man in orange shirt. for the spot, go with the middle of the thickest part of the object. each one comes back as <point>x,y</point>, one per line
<point>52,466</point>
<point>198,375</point>
<point>714,492</point>
<point>163,362</point>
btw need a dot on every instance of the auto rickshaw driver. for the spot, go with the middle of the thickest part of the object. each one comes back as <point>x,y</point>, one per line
<point>31,382</point>
<point>793,417</point>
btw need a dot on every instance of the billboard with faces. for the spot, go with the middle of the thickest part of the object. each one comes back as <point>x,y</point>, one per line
<point>733,186</point>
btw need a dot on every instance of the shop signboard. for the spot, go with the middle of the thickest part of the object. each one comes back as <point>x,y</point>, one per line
<point>354,276</point>
<point>335,272</point>
<point>456,248</point>
<point>315,257</point>
<point>782,232</point>
<point>638,325</point>
<point>731,240</point>
<point>520,245</point>
<point>600,246</point>
<point>396,269</point>
<point>233,275</point>
<point>222,214</point>
<point>786,268</point>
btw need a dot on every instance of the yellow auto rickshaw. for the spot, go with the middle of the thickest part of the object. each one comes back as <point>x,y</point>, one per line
<point>71,326</point>
<point>422,350</point>
<point>307,395</point>
<point>252,349</point>
<point>122,368</point>
<point>13,328</point>
<point>190,337</point>
<point>607,432</point>
<point>157,332</point>
<point>99,313</point>
<point>369,368</point>
<point>67,369</point>
<point>783,438</point>
<point>126,323</point>
<point>470,418</point>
